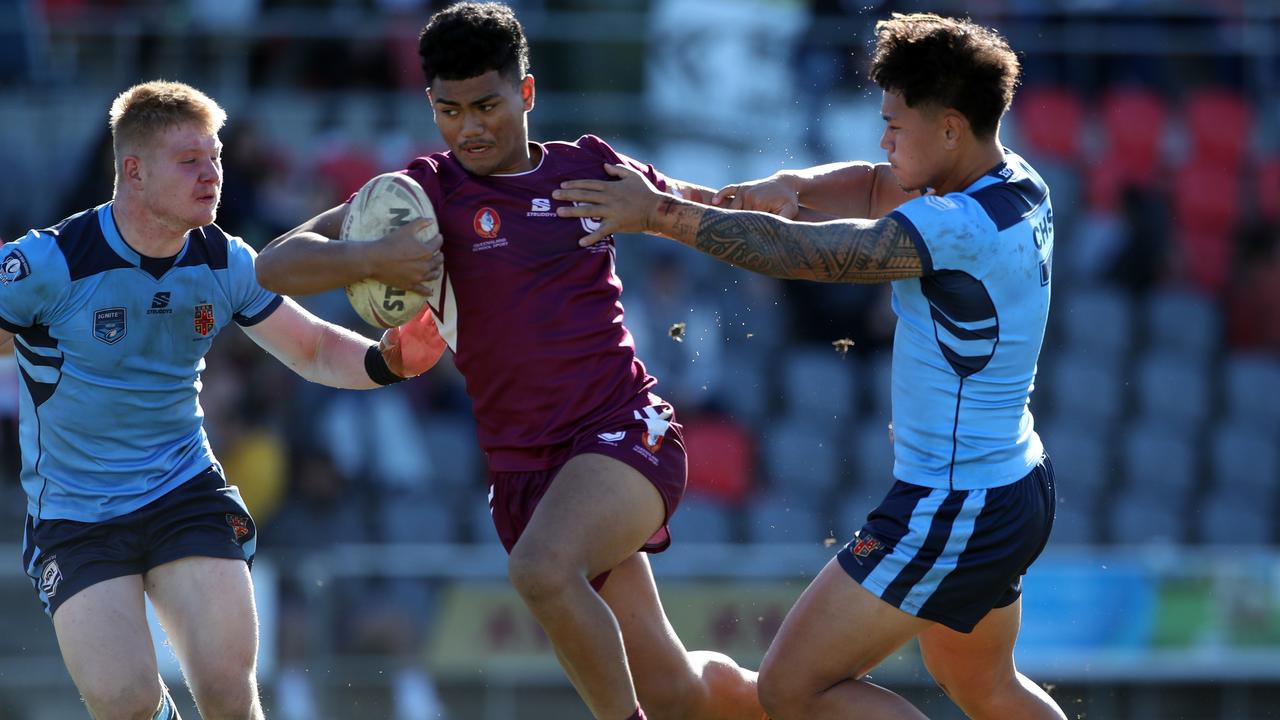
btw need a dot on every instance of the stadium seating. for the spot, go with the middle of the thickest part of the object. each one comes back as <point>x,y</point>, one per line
<point>1096,322</point>
<point>803,456</point>
<point>701,520</point>
<point>1252,386</point>
<point>1219,126</point>
<point>820,383</point>
<point>1134,120</point>
<point>1182,322</point>
<point>783,517</point>
<point>1234,520</point>
<point>1050,119</point>
<point>1173,392</point>
<point>1244,462</point>
<point>872,456</point>
<point>878,371</point>
<point>1084,389</point>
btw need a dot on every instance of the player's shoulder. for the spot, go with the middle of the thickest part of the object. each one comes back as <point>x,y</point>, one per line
<point>74,246</point>
<point>587,148</point>
<point>1010,193</point>
<point>212,246</point>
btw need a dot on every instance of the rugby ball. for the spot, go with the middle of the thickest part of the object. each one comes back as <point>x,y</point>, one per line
<point>385,203</point>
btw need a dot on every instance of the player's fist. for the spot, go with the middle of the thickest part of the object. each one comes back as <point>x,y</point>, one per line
<point>413,348</point>
<point>408,257</point>
<point>776,195</point>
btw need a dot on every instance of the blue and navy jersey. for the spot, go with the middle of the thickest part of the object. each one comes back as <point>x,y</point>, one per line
<point>969,331</point>
<point>110,358</point>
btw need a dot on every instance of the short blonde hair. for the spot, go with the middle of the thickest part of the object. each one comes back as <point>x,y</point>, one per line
<point>146,110</point>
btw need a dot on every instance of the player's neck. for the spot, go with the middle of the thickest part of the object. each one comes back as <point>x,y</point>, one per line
<point>978,160</point>
<point>144,232</point>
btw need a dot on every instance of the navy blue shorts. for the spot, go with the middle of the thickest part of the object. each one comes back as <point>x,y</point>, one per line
<point>951,556</point>
<point>203,517</point>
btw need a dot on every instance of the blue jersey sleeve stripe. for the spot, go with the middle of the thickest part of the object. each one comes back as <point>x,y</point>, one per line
<point>926,259</point>
<point>960,333</point>
<point>35,358</point>
<point>11,327</point>
<point>250,321</point>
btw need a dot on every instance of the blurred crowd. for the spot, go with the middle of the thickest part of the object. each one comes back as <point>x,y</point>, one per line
<point>1165,174</point>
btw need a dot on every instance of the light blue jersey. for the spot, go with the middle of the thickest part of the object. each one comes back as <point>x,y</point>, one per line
<point>110,358</point>
<point>969,331</point>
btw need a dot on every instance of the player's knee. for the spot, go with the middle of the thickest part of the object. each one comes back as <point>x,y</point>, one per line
<point>536,575</point>
<point>781,695</point>
<point>676,697</point>
<point>133,701</point>
<point>227,693</point>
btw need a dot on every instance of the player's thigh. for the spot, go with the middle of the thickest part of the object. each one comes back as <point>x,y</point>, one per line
<point>597,512</point>
<point>106,643</point>
<point>837,630</point>
<point>977,661</point>
<point>206,606</point>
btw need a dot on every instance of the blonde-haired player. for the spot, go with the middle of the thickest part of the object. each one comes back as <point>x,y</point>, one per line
<point>113,311</point>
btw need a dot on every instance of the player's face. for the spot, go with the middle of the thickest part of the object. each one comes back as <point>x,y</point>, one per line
<point>181,173</point>
<point>482,120</point>
<point>913,141</point>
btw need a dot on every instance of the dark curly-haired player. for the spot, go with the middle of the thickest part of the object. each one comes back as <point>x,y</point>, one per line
<point>969,250</point>
<point>586,463</point>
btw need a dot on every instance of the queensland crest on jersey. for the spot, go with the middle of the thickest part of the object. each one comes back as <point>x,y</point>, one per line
<point>14,267</point>
<point>590,224</point>
<point>204,320</point>
<point>50,577</point>
<point>487,223</point>
<point>109,325</point>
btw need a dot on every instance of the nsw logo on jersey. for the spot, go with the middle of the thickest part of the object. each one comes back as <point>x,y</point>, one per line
<point>109,325</point>
<point>487,223</point>
<point>204,320</point>
<point>14,267</point>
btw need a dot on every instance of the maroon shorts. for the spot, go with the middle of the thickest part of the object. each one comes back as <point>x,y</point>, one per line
<point>653,446</point>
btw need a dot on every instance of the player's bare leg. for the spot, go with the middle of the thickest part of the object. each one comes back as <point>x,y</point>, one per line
<point>978,672</point>
<point>106,644</point>
<point>596,514</point>
<point>206,607</point>
<point>837,631</point>
<point>672,683</point>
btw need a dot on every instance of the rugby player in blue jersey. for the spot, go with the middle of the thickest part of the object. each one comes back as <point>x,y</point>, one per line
<point>968,250</point>
<point>112,311</point>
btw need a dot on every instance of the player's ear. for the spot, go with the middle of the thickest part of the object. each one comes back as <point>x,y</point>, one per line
<point>527,92</point>
<point>954,125</point>
<point>131,170</point>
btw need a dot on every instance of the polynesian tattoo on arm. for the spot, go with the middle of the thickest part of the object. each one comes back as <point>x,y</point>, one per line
<point>858,251</point>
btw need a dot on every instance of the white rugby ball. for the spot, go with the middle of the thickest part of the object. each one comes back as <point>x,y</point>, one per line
<point>385,203</point>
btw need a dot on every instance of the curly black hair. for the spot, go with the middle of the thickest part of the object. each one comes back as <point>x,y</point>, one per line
<point>469,39</point>
<point>939,62</point>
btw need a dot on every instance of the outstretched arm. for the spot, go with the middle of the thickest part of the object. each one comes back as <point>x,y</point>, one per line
<point>837,190</point>
<point>331,355</point>
<point>307,260</point>
<point>863,251</point>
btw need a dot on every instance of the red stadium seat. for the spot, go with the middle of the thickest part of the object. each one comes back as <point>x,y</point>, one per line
<point>722,462</point>
<point>1133,123</point>
<point>1206,207</point>
<point>1050,119</point>
<point>1219,126</point>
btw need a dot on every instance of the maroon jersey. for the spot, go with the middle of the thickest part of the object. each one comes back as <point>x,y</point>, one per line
<point>534,320</point>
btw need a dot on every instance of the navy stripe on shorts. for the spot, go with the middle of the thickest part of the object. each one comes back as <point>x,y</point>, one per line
<point>951,556</point>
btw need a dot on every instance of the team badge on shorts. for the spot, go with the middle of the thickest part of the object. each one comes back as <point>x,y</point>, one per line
<point>657,420</point>
<point>204,320</point>
<point>864,545</point>
<point>14,267</point>
<point>50,576</point>
<point>109,325</point>
<point>239,525</point>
